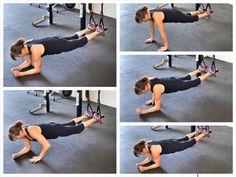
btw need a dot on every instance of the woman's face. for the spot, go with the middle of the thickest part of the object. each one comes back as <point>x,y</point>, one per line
<point>144,152</point>
<point>146,89</point>
<point>145,19</point>
<point>24,52</point>
<point>20,136</point>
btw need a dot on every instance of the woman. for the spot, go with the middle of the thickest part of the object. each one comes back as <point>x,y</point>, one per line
<point>159,86</point>
<point>161,16</point>
<point>154,149</point>
<point>42,132</point>
<point>33,50</point>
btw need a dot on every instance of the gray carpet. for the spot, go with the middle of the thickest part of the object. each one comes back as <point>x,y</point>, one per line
<point>210,155</point>
<point>92,65</point>
<point>206,35</point>
<point>80,153</point>
<point>209,102</point>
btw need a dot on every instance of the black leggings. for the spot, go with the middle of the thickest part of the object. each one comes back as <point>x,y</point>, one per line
<point>176,16</point>
<point>73,42</point>
<point>187,83</point>
<point>55,130</point>
<point>182,143</point>
<point>176,145</point>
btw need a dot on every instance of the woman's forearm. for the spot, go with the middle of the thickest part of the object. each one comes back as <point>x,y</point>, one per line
<point>44,150</point>
<point>23,65</point>
<point>163,35</point>
<point>151,167</point>
<point>147,160</point>
<point>24,151</point>
<point>29,72</point>
<point>152,29</point>
<point>153,109</point>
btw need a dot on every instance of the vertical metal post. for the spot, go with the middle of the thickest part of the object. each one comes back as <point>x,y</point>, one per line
<point>50,14</point>
<point>79,103</point>
<point>82,16</point>
<point>47,100</point>
<point>169,60</point>
<point>193,128</point>
<point>198,63</point>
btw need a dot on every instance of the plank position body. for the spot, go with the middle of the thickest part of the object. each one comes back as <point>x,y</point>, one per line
<point>42,132</point>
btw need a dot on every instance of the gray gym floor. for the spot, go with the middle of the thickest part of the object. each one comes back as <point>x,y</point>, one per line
<point>80,153</point>
<point>206,35</point>
<point>210,155</point>
<point>91,65</point>
<point>209,102</point>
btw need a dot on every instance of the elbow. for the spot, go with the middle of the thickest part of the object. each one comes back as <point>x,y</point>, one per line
<point>37,71</point>
<point>28,149</point>
<point>158,164</point>
<point>158,108</point>
<point>47,146</point>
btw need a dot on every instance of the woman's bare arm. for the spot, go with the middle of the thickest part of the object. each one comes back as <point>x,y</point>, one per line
<point>26,63</point>
<point>41,140</point>
<point>152,32</point>
<point>147,160</point>
<point>156,159</point>
<point>36,56</point>
<point>25,150</point>
<point>157,92</point>
<point>158,18</point>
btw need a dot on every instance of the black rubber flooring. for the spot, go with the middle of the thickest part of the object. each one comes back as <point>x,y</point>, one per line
<point>92,65</point>
<point>82,153</point>
<point>213,34</point>
<point>210,155</point>
<point>209,102</point>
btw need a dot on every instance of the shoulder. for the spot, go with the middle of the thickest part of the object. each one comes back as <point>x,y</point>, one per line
<point>158,89</point>
<point>33,129</point>
<point>37,49</point>
<point>156,149</point>
<point>158,16</point>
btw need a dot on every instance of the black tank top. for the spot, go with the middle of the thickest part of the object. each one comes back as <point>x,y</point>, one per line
<point>28,135</point>
<point>51,44</point>
<point>166,146</point>
<point>169,83</point>
<point>45,130</point>
<point>169,14</point>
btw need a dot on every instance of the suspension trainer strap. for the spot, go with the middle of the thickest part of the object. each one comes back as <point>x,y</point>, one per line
<point>213,65</point>
<point>208,6</point>
<point>101,23</point>
<point>98,107</point>
<point>201,60</point>
<point>91,19</point>
<point>89,107</point>
<point>201,6</point>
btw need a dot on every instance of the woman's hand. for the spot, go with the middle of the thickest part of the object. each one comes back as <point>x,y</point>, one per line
<point>148,41</point>
<point>140,111</point>
<point>16,73</point>
<point>149,102</point>
<point>35,159</point>
<point>138,165</point>
<point>141,168</point>
<point>163,49</point>
<point>15,68</point>
<point>14,156</point>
